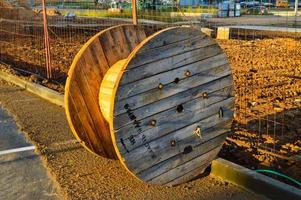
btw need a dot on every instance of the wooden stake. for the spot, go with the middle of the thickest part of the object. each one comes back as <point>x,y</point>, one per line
<point>134,12</point>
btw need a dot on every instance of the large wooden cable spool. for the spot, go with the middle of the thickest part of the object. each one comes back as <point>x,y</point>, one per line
<point>83,83</point>
<point>168,105</point>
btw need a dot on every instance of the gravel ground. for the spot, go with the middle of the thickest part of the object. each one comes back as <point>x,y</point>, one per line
<point>267,89</point>
<point>267,128</point>
<point>22,175</point>
<point>82,175</point>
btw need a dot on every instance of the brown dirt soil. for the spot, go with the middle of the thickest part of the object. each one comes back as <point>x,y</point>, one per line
<point>267,128</point>
<point>82,175</point>
<point>29,55</point>
<point>4,4</point>
<point>22,46</point>
<point>266,73</point>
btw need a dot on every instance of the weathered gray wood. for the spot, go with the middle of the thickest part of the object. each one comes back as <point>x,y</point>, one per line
<point>172,86</point>
<point>175,34</point>
<point>172,101</point>
<point>171,89</point>
<point>171,120</point>
<point>158,66</point>
<point>171,176</point>
<point>82,85</point>
<point>140,159</point>
<point>179,159</point>
<point>195,173</point>
<point>168,77</point>
<point>170,50</point>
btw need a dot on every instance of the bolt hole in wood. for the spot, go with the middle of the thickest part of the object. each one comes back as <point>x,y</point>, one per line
<point>221,113</point>
<point>180,108</point>
<point>187,150</point>
<point>177,80</point>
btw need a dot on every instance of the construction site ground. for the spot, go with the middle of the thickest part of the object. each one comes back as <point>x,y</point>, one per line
<point>82,175</point>
<point>22,175</point>
<point>267,128</point>
<point>266,133</point>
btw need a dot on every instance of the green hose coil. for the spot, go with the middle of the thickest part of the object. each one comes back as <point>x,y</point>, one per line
<point>279,174</point>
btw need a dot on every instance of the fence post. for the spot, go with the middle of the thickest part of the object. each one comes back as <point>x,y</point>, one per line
<point>296,7</point>
<point>134,12</point>
<point>46,41</point>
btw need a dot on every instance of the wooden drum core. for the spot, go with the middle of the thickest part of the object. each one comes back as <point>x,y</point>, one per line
<point>108,84</point>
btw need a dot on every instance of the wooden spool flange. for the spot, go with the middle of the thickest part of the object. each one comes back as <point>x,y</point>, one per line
<point>168,105</point>
<point>84,78</point>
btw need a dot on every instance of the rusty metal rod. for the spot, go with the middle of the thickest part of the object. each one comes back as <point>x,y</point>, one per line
<point>46,40</point>
<point>134,12</point>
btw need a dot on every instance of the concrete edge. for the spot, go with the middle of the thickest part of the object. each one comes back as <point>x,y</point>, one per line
<point>251,180</point>
<point>42,91</point>
<point>227,32</point>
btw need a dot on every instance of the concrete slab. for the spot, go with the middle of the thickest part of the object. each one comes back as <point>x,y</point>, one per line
<point>252,32</point>
<point>223,33</point>
<point>254,20</point>
<point>44,92</point>
<point>266,28</point>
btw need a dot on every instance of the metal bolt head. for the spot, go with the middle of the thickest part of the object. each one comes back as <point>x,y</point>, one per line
<point>197,132</point>
<point>173,143</point>
<point>205,95</point>
<point>187,73</point>
<point>160,86</point>
<point>153,122</point>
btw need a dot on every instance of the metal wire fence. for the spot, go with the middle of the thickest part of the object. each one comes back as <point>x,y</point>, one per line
<point>264,50</point>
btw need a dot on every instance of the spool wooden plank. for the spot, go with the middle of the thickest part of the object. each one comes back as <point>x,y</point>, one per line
<point>172,62</point>
<point>84,78</point>
<point>165,76</point>
<point>169,125</point>
<point>202,161</point>
<point>157,42</point>
<point>171,89</point>
<point>162,145</point>
<point>170,120</point>
<point>172,101</point>
<point>176,161</point>
<point>182,141</point>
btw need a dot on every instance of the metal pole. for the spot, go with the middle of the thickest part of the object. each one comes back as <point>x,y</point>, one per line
<point>134,12</point>
<point>296,8</point>
<point>46,41</point>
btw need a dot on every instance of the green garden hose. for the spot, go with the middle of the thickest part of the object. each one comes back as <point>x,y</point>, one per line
<point>279,174</point>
